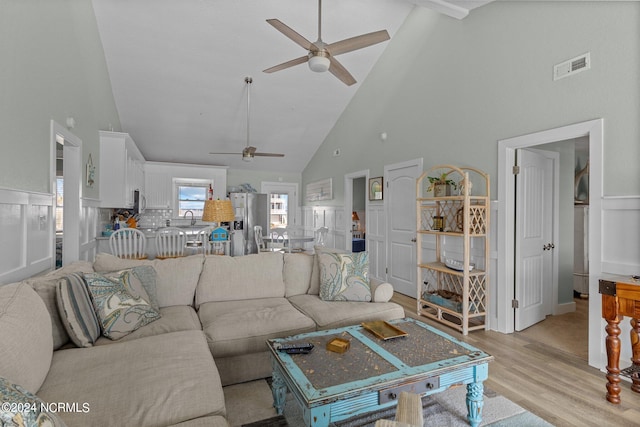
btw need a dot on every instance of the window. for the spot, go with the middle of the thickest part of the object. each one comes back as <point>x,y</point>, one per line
<point>59,204</point>
<point>279,209</point>
<point>191,195</point>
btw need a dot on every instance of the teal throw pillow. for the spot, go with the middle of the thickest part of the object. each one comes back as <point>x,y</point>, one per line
<point>344,277</point>
<point>20,408</point>
<point>121,304</point>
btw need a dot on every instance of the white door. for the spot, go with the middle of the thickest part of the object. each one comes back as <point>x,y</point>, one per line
<point>400,200</point>
<point>534,230</point>
<point>283,203</point>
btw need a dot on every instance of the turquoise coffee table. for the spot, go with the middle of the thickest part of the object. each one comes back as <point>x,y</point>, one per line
<point>332,387</point>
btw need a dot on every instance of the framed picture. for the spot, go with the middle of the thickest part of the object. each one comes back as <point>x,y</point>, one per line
<point>375,188</point>
<point>320,190</point>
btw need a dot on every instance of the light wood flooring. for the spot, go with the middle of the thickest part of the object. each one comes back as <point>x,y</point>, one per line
<point>546,373</point>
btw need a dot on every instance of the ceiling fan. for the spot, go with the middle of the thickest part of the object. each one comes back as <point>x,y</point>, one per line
<point>321,56</point>
<point>250,152</point>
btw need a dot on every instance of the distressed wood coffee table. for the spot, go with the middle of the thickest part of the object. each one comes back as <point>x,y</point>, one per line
<point>332,387</point>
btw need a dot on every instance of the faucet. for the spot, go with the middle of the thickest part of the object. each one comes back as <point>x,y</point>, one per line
<point>193,219</point>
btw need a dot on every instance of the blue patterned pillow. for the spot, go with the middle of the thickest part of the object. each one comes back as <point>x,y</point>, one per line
<point>76,310</point>
<point>121,305</point>
<point>344,277</point>
<point>21,408</point>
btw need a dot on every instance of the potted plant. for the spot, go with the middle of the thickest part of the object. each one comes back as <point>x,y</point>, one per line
<point>441,185</point>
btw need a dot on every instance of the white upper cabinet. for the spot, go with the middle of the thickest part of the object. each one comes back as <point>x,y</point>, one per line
<point>121,170</point>
<point>158,186</point>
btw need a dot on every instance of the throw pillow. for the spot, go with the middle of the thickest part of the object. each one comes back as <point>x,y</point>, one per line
<point>76,310</point>
<point>344,277</point>
<point>21,408</point>
<point>145,276</point>
<point>121,309</point>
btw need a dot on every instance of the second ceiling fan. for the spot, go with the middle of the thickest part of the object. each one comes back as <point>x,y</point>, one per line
<point>321,56</point>
<point>249,151</point>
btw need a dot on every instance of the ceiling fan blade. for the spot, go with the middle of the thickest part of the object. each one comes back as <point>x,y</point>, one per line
<point>357,42</point>
<point>268,155</point>
<point>287,64</point>
<point>340,72</point>
<point>291,33</point>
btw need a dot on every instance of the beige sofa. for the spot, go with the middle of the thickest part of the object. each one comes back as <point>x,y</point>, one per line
<point>217,312</point>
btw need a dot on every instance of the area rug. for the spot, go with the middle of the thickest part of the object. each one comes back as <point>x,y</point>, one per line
<point>250,405</point>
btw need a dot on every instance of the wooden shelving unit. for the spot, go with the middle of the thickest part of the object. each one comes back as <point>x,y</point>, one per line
<point>455,297</point>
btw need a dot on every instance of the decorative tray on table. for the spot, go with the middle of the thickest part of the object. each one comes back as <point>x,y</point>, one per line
<point>383,330</point>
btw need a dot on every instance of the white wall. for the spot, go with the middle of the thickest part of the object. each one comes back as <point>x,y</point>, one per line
<point>53,68</point>
<point>448,90</point>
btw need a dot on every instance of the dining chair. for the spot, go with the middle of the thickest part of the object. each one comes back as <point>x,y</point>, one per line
<point>279,239</point>
<point>260,243</point>
<point>203,237</point>
<point>170,242</point>
<point>321,236</point>
<point>129,243</point>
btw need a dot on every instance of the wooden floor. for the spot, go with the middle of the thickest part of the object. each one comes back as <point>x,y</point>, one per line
<point>553,383</point>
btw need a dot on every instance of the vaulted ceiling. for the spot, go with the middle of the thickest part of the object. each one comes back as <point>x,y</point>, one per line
<point>178,69</point>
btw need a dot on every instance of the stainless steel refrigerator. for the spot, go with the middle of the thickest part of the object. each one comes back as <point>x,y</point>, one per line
<point>251,209</point>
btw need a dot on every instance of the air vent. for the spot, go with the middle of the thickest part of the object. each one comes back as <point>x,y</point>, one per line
<point>572,66</point>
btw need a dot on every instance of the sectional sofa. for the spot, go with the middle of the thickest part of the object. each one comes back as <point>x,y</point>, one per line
<point>216,313</point>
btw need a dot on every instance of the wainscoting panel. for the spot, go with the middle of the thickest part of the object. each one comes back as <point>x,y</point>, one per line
<point>621,235</point>
<point>26,227</point>
<point>376,244</point>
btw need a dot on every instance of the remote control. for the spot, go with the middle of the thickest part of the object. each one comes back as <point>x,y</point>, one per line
<point>301,346</point>
<point>298,351</point>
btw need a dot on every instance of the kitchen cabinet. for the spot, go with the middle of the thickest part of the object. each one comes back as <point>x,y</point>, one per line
<point>161,179</point>
<point>158,186</point>
<point>121,170</point>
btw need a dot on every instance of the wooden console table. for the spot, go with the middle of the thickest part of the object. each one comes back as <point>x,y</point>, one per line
<point>621,297</point>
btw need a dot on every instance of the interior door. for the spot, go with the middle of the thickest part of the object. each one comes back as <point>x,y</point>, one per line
<point>400,200</point>
<point>534,230</point>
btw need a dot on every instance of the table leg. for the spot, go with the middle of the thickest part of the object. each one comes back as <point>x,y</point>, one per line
<point>635,358</point>
<point>279,391</point>
<point>475,403</point>
<point>612,342</point>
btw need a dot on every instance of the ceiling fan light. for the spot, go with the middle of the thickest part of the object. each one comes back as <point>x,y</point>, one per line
<point>247,157</point>
<point>319,64</point>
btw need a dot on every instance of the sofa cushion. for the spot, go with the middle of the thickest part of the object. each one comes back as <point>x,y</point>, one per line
<point>238,327</point>
<point>331,314</point>
<point>154,381</point>
<point>76,309</point>
<point>46,288</point>
<point>297,273</point>
<point>226,278</point>
<point>27,341</point>
<point>121,303</point>
<point>21,408</point>
<point>45,285</point>
<point>174,319</point>
<point>176,278</point>
<point>344,277</point>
